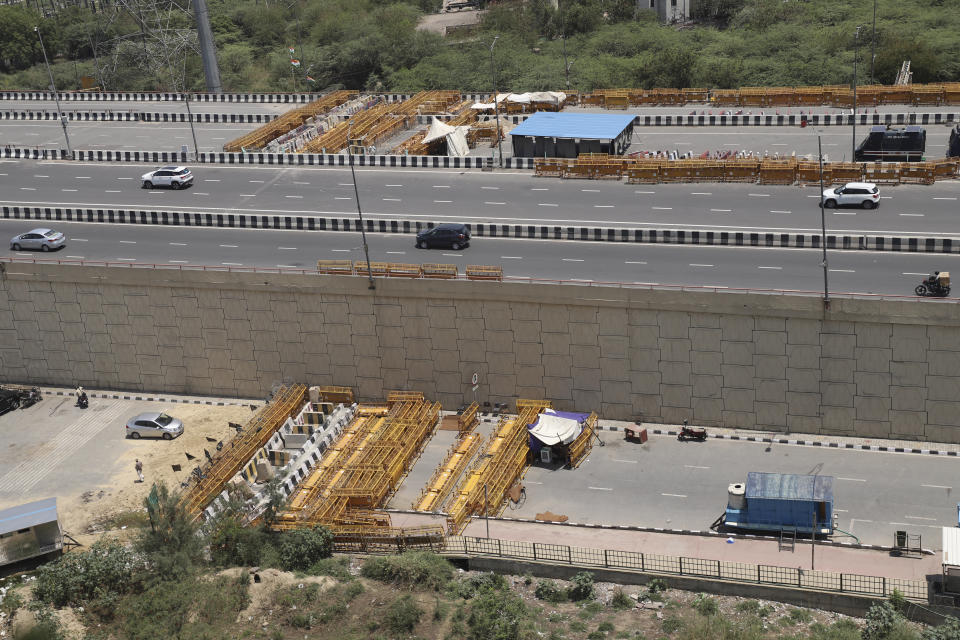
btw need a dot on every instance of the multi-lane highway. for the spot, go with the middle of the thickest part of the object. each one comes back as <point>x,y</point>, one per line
<point>120,136</point>
<point>584,262</point>
<point>502,197</point>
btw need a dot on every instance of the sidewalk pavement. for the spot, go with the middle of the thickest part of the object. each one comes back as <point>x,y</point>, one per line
<point>867,562</point>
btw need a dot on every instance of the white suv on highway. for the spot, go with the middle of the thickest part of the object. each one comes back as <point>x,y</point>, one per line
<point>175,177</point>
<point>853,194</point>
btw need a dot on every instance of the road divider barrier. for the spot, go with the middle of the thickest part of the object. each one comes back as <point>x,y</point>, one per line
<point>663,235</point>
<point>766,171</point>
<point>139,116</point>
<point>769,119</point>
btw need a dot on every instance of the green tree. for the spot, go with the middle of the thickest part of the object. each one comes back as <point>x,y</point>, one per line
<point>300,548</point>
<point>172,542</point>
<point>19,45</point>
<point>496,615</point>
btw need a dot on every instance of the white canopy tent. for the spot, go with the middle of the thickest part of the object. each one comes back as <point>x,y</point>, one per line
<point>552,429</point>
<point>456,137</point>
<point>555,98</point>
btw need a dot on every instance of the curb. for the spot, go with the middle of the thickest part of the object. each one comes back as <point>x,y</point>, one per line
<point>768,120</point>
<point>140,116</point>
<point>482,229</point>
<point>685,532</point>
<point>808,443</point>
<point>118,396</point>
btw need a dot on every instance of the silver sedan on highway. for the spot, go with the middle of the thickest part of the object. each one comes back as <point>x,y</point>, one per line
<point>39,239</point>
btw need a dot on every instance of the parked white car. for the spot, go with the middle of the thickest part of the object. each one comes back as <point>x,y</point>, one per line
<point>853,194</point>
<point>39,239</point>
<point>174,177</point>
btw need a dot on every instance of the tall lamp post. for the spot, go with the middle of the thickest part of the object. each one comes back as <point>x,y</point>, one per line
<point>356,193</point>
<point>56,94</point>
<point>496,103</point>
<point>823,230</point>
<point>856,56</point>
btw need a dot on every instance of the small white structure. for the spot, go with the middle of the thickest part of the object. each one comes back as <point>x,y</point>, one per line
<point>951,560</point>
<point>30,530</point>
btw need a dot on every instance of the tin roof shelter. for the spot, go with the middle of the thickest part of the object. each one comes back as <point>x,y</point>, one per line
<point>951,559</point>
<point>29,530</point>
<point>547,134</point>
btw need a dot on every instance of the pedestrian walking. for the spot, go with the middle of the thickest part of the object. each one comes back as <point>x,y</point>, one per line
<point>139,467</point>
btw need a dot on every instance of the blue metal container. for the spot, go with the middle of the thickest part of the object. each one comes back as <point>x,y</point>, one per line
<point>775,501</point>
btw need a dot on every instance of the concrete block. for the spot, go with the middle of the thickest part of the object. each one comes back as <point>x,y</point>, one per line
<point>558,388</point>
<point>211,318</point>
<point>908,374</point>
<point>73,331</point>
<point>872,428</point>
<point>737,352</point>
<point>147,345</point>
<point>737,376</point>
<point>557,365</point>
<point>674,324</point>
<point>554,318</point>
<point>838,345</point>
<point>941,433</point>
<point>804,356</point>
<point>56,360</point>
<point>584,400</point>
<point>739,419</point>
<point>803,404</point>
<point>418,371</point>
<point>803,424</point>
<point>443,317</point>
<point>837,369</point>
<point>367,346</point>
<point>504,385</point>
<point>706,363</point>
<point>556,343</point>
<point>675,349</point>
<point>614,369</point>
<point>646,405</point>
<point>771,414</point>
<point>676,415</point>
<point>614,346</point>
<point>707,410</point>
<point>738,399</point>
<point>676,395</point>
<point>472,350</point>
<point>943,388</point>
<point>767,366</point>
<point>585,379</point>
<point>501,363</point>
<point>645,383</point>
<point>263,340</point>
<point>499,341</point>
<point>707,386</point>
<point>392,358</point>
<point>447,339</point>
<point>873,359</point>
<point>189,328</point>
<point>644,359</point>
<point>772,343</point>
<point>675,372</point>
<point>872,384</point>
<point>126,353</point>
<point>68,311</point>
<point>585,314</point>
<point>944,338</point>
<point>526,331</point>
<point>530,376</point>
<point>339,334</point>
<point>644,337</point>
<point>908,424</point>
<point>447,361</point>
<point>943,363</point>
<point>872,409</point>
<point>837,394</point>
<point>48,320</point>
<point>261,320</point>
<point>705,339</point>
<point>393,337</point>
<point>737,328</point>
<point>471,327</point>
<point>497,315</point>
<point>803,331</point>
<point>908,399</point>
<point>838,419</point>
<point>771,391</point>
<point>585,356</point>
<point>33,349</point>
<point>24,311</point>
<point>528,353</point>
<point>524,310</point>
<point>704,320</point>
<point>803,380</point>
<point>767,323</point>
<point>43,300</point>
<point>583,333</point>
<point>104,362</point>
<point>873,335</point>
<point>616,392</point>
<point>613,322</point>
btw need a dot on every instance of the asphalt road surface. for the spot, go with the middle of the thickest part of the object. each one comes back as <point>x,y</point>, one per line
<point>671,484</point>
<point>502,197</point>
<point>149,106</point>
<point>120,136</point>
<point>577,262</point>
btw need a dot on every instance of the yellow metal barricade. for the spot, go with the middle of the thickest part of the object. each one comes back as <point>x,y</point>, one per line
<point>696,95</point>
<point>440,271</point>
<point>917,172</point>
<point>741,170</point>
<point>946,168</point>
<point>842,172</point>
<point>580,170</point>
<point>882,172</point>
<point>375,268</point>
<point>399,270</point>
<point>620,101</point>
<point>643,172</point>
<point>675,171</point>
<point>778,172</point>
<point>338,267</point>
<point>705,171</point>
<point>927,95</point>
<point>808,173</point>
<point>951,93</point>
<point>809,96</point>
<point>725,97</point>
<point>483,272</point>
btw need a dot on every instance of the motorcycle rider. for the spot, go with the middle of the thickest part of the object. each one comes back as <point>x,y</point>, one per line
<point>934,280</point>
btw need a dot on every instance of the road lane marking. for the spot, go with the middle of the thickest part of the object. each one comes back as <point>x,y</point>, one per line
<point>625,461</point>
<point>694,264</point>
<point>662,208</point>
<point>287,266</point>
<point>600,488</point>
<point>694,466</point>
<point>126,259</point>
<point>532,482</point>
<point>342,250</point>
<point>539,189</point>
<point>673,495</point>
<point>229,246</point>
<point>442,201</point>
<point>573,259</point>
<point>579,280</point>
<point>645,192</point>
<point>722,210</point>
<point>242,195</point>
<point>293,196</point>
<point>38,176</point>
<point>491,188</point>
<point>345,184</point>
<point>88,178</point>
<point>67,189</point>
<point>112,191</point>
<point>205,179</point>
<point>441,186</point>
<point>452,255</point>
<point>852,479</point>
<point>295,182</point>
<point>540,204</point>
<point>494,203</point>
<point>286,248</point>
<point>393,185</point>
<point>912,273</point>
<point>780,211</point>
<point>399,253</point>
<point>603,206</point>
<point>634,262</point>
<point>200,193</point>
<point>844,213</point>
<point>911,215</point>
<point>511,257</point>
<point>777,268</point>
<point>78,240</point>
<point>935,486</point>
<point>392,199</point>
<point>258,181</point>
<point>76,257</point>
<point>590,190</point>
<point>759,195</point>
<point>27,189</point>
<point>701,193</point>
<point>842,270</point>
<point>919,518</point>
<point>944,198</point>
<point>232,264</point>
<point>341,198</point>
<point>178,244</point>
<point>127,241</point>
<point>840,510</point>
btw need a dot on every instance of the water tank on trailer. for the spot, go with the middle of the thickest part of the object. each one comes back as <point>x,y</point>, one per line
<point>736,496</point>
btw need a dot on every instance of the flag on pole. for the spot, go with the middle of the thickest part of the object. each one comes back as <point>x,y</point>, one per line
<point>295,62</point>
<point>291,50</point>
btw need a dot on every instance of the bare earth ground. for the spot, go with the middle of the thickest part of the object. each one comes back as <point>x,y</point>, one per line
<point>86,511</point>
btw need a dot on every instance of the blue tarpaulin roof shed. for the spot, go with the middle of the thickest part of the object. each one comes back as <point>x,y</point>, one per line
<point>788,486</point>
<point>596,126</point>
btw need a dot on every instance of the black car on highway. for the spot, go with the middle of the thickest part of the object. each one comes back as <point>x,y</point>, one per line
<point>449,235</point>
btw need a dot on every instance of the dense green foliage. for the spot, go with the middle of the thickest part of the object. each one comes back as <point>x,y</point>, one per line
<point>414,569</point>
<point>107,569</point>
<point>375,45</point>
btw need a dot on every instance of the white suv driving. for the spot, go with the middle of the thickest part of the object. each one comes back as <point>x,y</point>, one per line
<point>175,177</point>
<point>853,194</point>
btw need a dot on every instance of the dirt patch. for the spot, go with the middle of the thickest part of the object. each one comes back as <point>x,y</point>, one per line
<point>98,509</point>
<point>271,580</point>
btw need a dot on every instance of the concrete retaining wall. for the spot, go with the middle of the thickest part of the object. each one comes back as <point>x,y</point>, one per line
<point>774,362</point>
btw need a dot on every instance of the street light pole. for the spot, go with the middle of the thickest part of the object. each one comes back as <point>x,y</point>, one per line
<point>856,56</point>
<point>56,94</point>
<point>196,149</point>
<point>356,193</point>
<point>873,42</point>
<point>496,103</point>
<point>823,230</point>
<point>563,34</point>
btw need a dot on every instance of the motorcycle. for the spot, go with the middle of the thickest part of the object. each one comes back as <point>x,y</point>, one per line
<point>937,287</point>
<point>691,433</point>
<point>82,401</point>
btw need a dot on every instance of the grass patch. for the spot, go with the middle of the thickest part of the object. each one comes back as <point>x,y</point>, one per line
<point>671,625</point>
<point>413,569</point>
<point>403,615</point>
<point>621,601</point>
<point>577,626</point>
<point>705,605</point>
<point>337,568</point>
<point>550,591</point>
<point>130,519</point>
